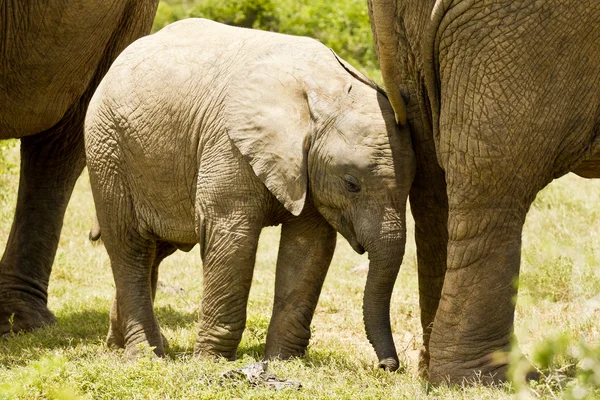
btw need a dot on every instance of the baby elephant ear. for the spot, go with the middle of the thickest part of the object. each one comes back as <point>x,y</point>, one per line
<point>268,119</point>
<point>397,102</point>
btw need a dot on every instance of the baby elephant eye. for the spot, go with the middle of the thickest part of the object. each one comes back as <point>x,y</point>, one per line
<point>352,184</point>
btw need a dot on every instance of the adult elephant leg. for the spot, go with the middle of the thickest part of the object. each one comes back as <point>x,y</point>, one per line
<point>429,206</point>
<point>305,252</point>
<point>50,165</point>
<point>476,312</point>
<point>228,256</point>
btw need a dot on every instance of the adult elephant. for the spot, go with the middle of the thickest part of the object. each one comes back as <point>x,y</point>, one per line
<point>502,97</point>
<point>53,55</point>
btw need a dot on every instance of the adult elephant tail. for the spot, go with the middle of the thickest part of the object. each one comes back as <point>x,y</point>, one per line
<point>95,233</point>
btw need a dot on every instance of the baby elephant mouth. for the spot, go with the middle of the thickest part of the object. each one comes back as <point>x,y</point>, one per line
<point>350,234</point>
<point>356,246</point>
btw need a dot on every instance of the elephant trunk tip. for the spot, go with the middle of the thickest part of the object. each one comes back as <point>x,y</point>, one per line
<point>390,364</point>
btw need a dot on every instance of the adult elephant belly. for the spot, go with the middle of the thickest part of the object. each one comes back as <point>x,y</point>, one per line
<point>39,85</point>
<point>589,168</point>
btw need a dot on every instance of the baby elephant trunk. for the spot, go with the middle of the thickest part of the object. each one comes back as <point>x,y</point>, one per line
<point>384,264</point>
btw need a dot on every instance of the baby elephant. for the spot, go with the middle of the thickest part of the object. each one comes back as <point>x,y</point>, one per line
<point>205,133</point>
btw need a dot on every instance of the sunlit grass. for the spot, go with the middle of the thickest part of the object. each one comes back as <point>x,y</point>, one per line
<point>560,284</point>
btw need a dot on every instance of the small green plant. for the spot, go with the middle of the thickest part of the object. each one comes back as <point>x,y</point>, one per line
<point>11,322</point>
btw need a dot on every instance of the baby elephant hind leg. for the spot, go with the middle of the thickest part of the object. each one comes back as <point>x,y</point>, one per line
<point>132,319</point>
<point>228,257</point>
<point>115,336</point>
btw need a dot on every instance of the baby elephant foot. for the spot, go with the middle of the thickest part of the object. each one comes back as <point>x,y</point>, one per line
<point>116,340</point>
<point>137,348</point>
<point>284,351</point>
<point>221,340</point>
<point>216,349</point>
<point>165,343</point>
<point>287,337</point>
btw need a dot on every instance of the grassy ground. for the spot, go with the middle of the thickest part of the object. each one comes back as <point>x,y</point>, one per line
<point>559,293</point>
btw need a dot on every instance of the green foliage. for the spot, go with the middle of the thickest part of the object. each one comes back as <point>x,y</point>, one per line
<point>566,367</point>
<point>587,383</point>
<point>257,14</point>
<point>8,168</point>
<point>6,165</point>
<point>341,25</point>
<point>169,12</point>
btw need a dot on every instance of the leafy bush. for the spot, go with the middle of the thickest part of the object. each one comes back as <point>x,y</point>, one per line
<point>169,12</point>
<point>567,367</point>
<point>341,25</point>
<point>257,14</point>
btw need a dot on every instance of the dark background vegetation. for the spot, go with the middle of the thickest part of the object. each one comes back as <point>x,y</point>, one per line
<point>342,25</point>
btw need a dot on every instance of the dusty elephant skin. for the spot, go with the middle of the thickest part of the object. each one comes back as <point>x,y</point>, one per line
<point>204,133</point>
<point>501,98</point>
<point>54,54</point>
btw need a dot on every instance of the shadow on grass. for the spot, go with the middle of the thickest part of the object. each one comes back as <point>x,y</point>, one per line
<point>75,328</point>
<point>255,351</point>
<point>320,358</point>
<point>169,317</point>
<point>72,329</point>
<point>312,359</point>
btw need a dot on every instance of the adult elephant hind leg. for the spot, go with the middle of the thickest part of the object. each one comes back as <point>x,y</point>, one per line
<point>474,321</point>
<point>228,256</point>
<point>305,252</point>
<point>51,162</point>
<point>429,206</point>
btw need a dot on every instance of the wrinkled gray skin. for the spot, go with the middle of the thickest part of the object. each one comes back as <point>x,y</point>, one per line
<point>53,55</point>
<point>501,98</point>
<point>204,133</point>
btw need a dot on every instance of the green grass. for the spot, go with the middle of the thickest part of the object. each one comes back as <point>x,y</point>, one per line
<point>560,283</point>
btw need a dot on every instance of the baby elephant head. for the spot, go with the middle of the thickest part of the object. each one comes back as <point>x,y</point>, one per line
<point>316,130</point>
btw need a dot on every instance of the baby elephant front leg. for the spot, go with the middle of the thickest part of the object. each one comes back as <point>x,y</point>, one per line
<point>305,252</point>
<point>228,258</point>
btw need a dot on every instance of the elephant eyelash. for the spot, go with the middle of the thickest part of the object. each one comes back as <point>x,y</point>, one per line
<point>351,184</point>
